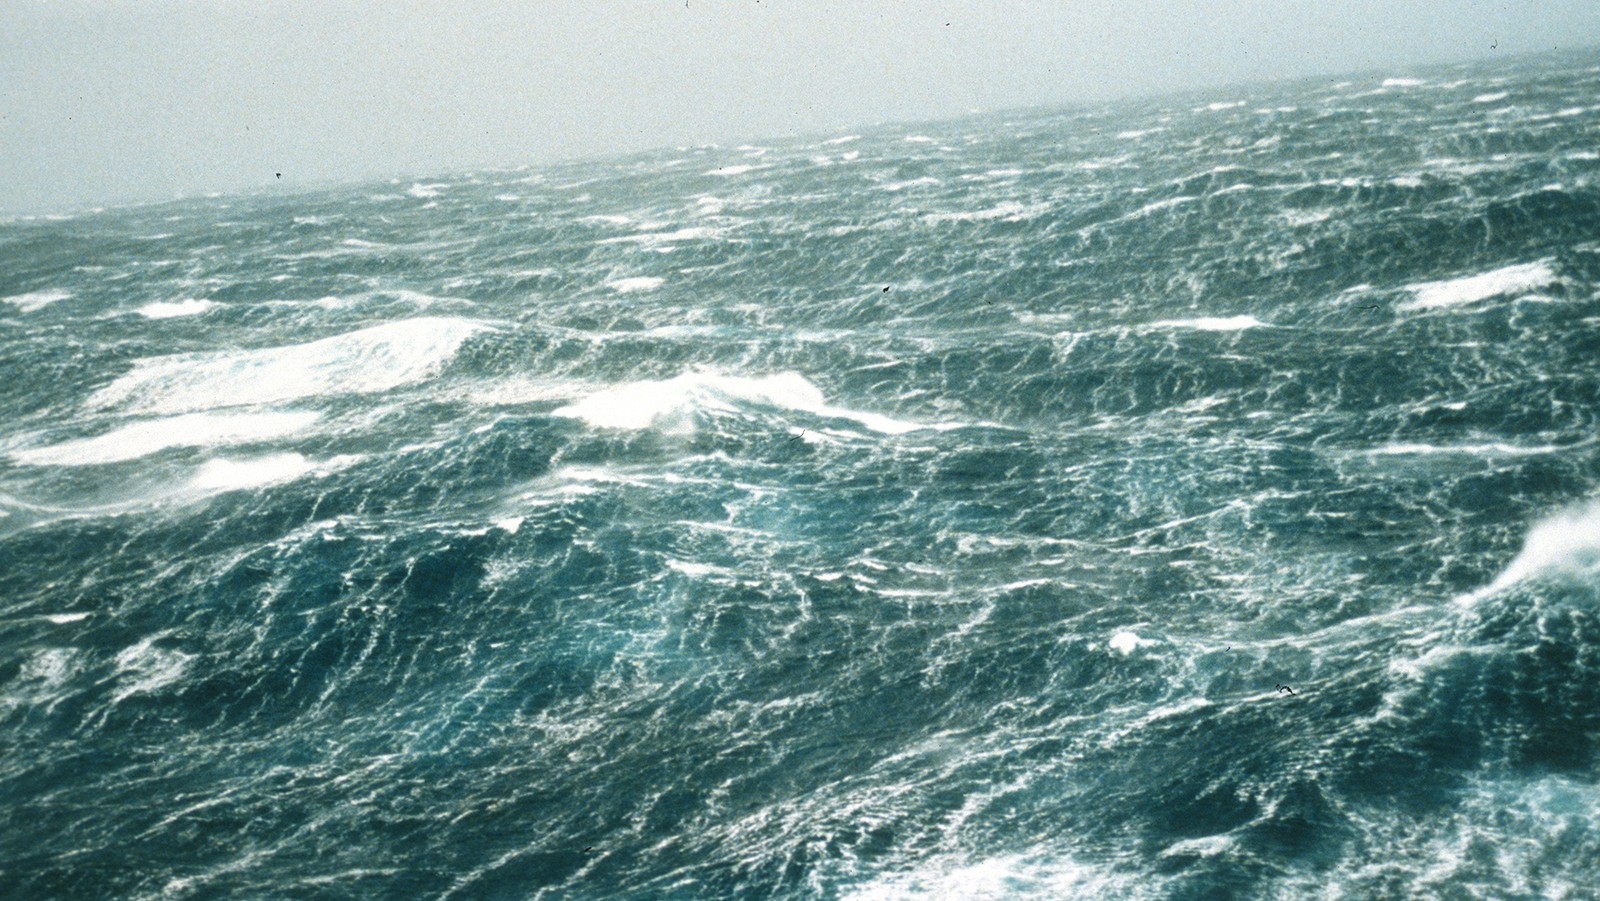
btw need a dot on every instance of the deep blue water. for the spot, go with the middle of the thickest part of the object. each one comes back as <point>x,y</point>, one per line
<point>941,511</point>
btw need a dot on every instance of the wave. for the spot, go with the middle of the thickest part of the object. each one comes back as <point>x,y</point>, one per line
<point>174,309</point>
<point>1009,210</point>
<point>1456,292</point>
<point>673,405</point>
<point>36,300</point>
<point>362,362</point>
<point>144,438</point>
<point>1212,323</point>
<point>1564,544</point>
<point>635,284</point>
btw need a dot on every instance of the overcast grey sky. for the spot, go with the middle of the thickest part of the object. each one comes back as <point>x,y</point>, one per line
<point>104,102</point>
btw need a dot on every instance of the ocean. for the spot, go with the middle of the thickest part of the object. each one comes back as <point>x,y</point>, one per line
<point>1188,497</point>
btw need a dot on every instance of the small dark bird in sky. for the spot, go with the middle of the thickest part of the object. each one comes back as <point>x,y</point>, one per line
<point>279,174</point>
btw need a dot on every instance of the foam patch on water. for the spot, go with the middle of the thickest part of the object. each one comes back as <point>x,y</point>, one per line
<point>37,300</point>
<point>224,474</point>
<point>1473,288</point>
<point>1212,323</point>
<point>997,878</point>
<point>635,284</point>
<point>693,233</point>
<point>144,438</point>
<point>144,668</point>
<point>672,405</point>
<point>1566,544</point>
<point>1125,642</point>
<point>362,362</point>
<point>175,309</point>
<point>1008,211</point>
<point>1485,449</point>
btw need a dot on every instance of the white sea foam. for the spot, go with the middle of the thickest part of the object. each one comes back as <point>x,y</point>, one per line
<point>1212,323</point>
<point>361,362</point>
<point>144,438</point>
<point>672,405</point>
<point>173,309</point>
<point>1125,642</point>
<point>1490,98</point>
<point>1564,544</point>
<point>693,233</point>
<point>37,300</point>
<point>734,170</point>
<point>40,679</point>
<point>419,189</point>
<point>1473,288</point>
<point>841,140</point>
<point>144,668</point>
<point>996,878</point>
<point>1220,105</point>
<point>635,284</point>
<point>1403,82</point>
<point>1489,448</point>
<point>224,474</point>
<point>1009,210</point>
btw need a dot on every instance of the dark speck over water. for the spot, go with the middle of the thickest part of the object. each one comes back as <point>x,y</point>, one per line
<point>613,530</point>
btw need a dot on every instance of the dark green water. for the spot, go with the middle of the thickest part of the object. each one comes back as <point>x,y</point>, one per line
<point>927,512</point>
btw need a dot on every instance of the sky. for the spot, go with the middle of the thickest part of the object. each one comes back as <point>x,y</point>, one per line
<point>111,102</point>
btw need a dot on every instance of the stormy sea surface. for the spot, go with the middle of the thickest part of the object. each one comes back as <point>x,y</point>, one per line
<point>1178,498</point>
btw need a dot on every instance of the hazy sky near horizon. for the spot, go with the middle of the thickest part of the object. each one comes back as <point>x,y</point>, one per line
<point>107,102</point>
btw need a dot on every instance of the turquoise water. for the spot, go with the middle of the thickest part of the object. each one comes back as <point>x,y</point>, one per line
<point>939,511</point>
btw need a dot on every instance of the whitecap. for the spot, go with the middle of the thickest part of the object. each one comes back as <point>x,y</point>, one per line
<point>34,301</point>
<point>673,405</point>
<point>1009,211</point>
<point>841,140</point>
<point>362,362</point>
<point>144,438</point>
<point>1490,98</point>
<point>1491,448</point>
<point>419,189</point>
<point>635,284</point>
<point>1473,288</point>
<point>1212,323</point>
<point>173,309</point>
<point>692,233</point>
<point>145,668</point>
<point>1565,543</point>
<point>1009,876</point>
<point>1403,82</point>
<point>1126,642</point>
<point>224,474</point>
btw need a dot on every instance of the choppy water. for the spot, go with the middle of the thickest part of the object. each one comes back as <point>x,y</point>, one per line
<point>927,512</point>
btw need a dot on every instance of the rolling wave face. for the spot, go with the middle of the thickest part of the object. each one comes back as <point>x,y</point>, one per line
<point>1184,498</point>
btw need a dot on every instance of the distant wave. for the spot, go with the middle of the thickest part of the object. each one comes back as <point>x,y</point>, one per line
<point>141,439</point>
<point>175,309</point>
<point>37,300</point>
<point>672,404</point>
<point>1473,288</point>
<point>362,362</point>
<point>1564,543</point>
